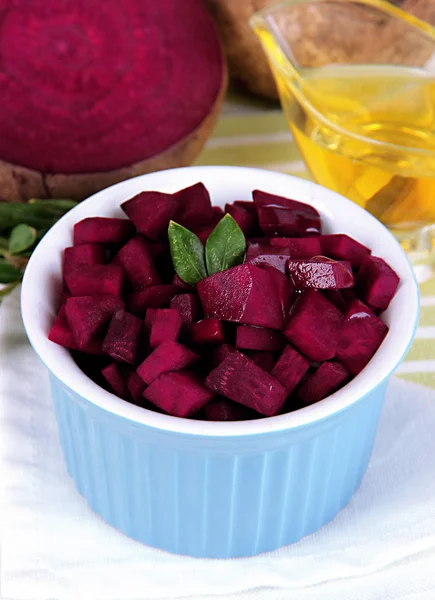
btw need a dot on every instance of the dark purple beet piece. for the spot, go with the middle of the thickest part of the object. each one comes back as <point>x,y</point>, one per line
<point>112,374</point>
<point>84,254</point>
<point>376,282</point>
<point>179,283</point>
<point>298,247</point>
<point>319,274</point>
<point>222,352</point>
<point>136,386</point>
<point>166,326</point>
<point>247,205</point>
<point>88,315</point>
<point>157,296</point>
<point>280,216</point>
<point>169,356</point>
<point>123,337</point>
<point>284,289</point>
<point>136,260</point>
<point>328,378</point>
<point>60,333</point>
<point>244,218</point>
<point>265,360</point>
<point>290,368</point>
<point>91,280</point>
<point>150,315</point>
<point>226,410</point>
<point>179,393</point>
<point>249,337</point>
<point>159,251</point>
<point>194,206</point>
<point>337,299</point>
<point>240,379</point>
<point>342,247</point>
<point>204,232</point>
<point>361,335</point>
<point>262,255</point>
<point>243,294</point>
<point>102,230</point>
<point>151,212</point>
<point>207,331</point>
<point>188,307</point>
<point>314,326</point>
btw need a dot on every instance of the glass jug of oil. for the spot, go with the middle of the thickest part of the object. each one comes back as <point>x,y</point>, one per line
<point>356,80</point>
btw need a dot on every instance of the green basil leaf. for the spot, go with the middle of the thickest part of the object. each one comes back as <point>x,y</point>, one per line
<point>225,247</point>
<point>22,237</point>
<point>9,273</point>
<point>187,254</point>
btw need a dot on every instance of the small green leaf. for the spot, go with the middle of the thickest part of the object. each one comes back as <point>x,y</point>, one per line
<point>22,237</point>
<point>12,214</point>
<point>187,254</point>
<point>225,247</point>
<point>9,273</point>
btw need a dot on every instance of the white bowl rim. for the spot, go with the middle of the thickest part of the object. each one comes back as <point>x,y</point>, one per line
<point>59,361</point>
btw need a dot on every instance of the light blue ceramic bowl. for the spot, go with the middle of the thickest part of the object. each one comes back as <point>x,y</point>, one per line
<point>217,489</point>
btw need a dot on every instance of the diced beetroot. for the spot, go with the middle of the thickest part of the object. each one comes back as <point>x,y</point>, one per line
<point>123,337</point>
<point>102,230</point>
<point>64,294</point>
<point>136,386</point>
<point>244,294</point>
<point>222,352</point>
<point>166,326</point>
<point>113,376</point>
<point>137,262</point>
<point>179,393</point>
<point>218,213</point>
<point>194,206</point>
<point>85,254</point>
<point>280,216</point>
<point>290,368</point>
<point>240,379</point>
<point>204,232</point>
<point>91,280</point>
<point>60,333</point>
<point>361,335</point>
<point>169,356</point>
<point>247,205</point>
<point>319,274</point>
<point>376,282</point>
<point>243,218</point>
<point>263,255</point>
<point>157,296</point>
<point>207,331</point>
<point>226,410</point>
<point>343,247</point>
<point>88,315</point>
<point>188,307</point>
<point>249,337</point>
<point>314,326</point>
<point>178,282</point>
<point>328,378</point>
<point>298,247</point>
<point>159,251</point>
<point>265,360</point>
<point>337,299</point>
<point>151,212</point>
<point>284,289</point>
<point>150,315</point>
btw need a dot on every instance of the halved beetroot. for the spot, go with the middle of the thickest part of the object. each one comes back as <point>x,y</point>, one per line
<point>88,315</point>
<point>102,230</point>
<point>207,331</point>
<point>91,280</point>
<point>156,296</point>
<point>123,337</point>
<point>249,337</point>
<point>169,356</point>
<point>151,212</point>
<point>166,326</point>
<point>284,289</point>
<point>361,335</point>
<point>222,409</point>
<point>290,368</point>
<point>314,326</point>
<point>341,246</point>
<point>178,282</point>
<point>194,206</point>
<point>319,274</point>
<point>240,379</point>
<point>188,307</point>
<point>376,282</point>
<point>136,260</point>
<point>84,254</point>
<point>298,247</point>
<point>265,360</point>
<point>244,218</point>
<point>112,374</point>
<point>279,216</point>
<point>328,378</point>
<point>244,294</point>
<point>222,352</point>
<point>60,333</point>
<point>179,393</point>
<point>136,386</point>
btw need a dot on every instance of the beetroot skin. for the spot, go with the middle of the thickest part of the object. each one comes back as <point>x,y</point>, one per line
<point>169,356</point>
<point>178,393</point>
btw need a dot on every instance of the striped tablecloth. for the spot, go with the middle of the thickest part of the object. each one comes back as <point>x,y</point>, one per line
<point>253,133</point>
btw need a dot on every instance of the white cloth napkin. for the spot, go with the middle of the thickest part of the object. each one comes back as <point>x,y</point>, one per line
<point>381,547</point>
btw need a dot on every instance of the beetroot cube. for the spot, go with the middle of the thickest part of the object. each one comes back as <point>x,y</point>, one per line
<point>136,387</point>
<point>328,378</point>
<point>244,218</point>
<point>280,216</point>
<point>91,280</point>
<point>194,206</point>
<point>151,212</point>
<point>88,315</point>
<point>179,393</point>
<point>225,410</point>
<point>343,247</point>
<point>159,251</point>
<point>150,315</point>
<point>208,331</point>
<point>178,282</point>
<point>157,296</point>
<point>320,274</point>
<point>265,360</point>
<point>204,232</point>
<point>112,374</point>
<point>136,260</point>
<point>284,290</point>
<point>222,352</point>
<point>290,368</point>
<point>60,333</point>
<point>376,282</point>
<point>240,379</point>
<point>218,213</point>
<point>123,337</point>
<point>85,254</point>
<point>247,205</point>
<point>298,247</point>
<point>265,256</point>
<point>249,337</point>
<point>188,307</point>
<point>314,326</point>
<point>169,356</point>
<point>361,335</point>
<point>244,294</point>
<point>166,326</point>
<point>337,299</point>
<point>102,230</point>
